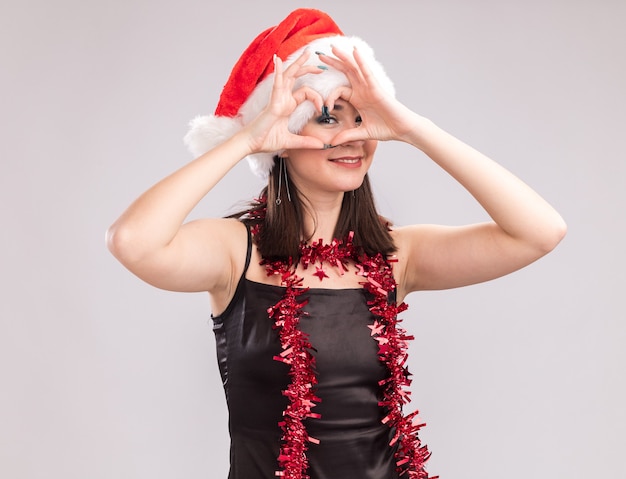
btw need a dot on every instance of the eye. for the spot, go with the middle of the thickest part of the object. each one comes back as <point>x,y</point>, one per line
<point>358,120</point>
<point>326,120</point>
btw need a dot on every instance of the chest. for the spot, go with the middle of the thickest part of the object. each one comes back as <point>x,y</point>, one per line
<point>313,275</point>
<point>336,324</point>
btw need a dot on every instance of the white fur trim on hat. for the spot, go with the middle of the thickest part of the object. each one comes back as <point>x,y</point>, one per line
<point>206,132</point>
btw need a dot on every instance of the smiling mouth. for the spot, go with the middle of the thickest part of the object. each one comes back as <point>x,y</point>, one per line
<point>349,161</point>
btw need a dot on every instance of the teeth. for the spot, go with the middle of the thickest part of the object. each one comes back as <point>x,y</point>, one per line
<point>345,160</point>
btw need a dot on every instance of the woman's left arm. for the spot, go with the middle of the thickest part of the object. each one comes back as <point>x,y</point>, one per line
<point>524,227</point>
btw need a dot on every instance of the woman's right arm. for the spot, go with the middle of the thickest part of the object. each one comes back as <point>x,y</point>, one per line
<point>151,238</point>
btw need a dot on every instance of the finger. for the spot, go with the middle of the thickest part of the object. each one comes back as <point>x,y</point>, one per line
<point>343,62</point>
<point>308,69</point>
<point>347,136</point>
<point>297,69</point>
<point>278,71</point>
<point>339,57</point>
<point>342,55</point>
<point>307,93</point>
<point>306,142</point>
<point>364,67</point>
<point>298,62</point>
<point>343,92</point>
<point>354,71</point>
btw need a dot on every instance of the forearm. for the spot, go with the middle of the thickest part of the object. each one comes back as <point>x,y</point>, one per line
<point>518,210</point>
<point>153,220</point>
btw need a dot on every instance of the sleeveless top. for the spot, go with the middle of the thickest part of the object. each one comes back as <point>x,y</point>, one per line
<point>353,441</point>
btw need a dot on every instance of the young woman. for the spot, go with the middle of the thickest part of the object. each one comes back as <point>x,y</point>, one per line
<point>306,286</point>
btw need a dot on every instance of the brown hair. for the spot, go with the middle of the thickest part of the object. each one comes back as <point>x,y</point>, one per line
<point>282,225</point>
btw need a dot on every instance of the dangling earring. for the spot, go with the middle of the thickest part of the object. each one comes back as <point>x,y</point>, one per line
<point>282,171</point>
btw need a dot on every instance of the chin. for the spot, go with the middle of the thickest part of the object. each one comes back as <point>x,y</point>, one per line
<point>351,186</point>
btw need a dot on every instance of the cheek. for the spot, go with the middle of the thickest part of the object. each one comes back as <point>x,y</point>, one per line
<point>301,161</point>
<point>320,133</point>
<point>370,147</point>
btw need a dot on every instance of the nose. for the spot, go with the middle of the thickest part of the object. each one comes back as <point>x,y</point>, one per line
<point>353,143</point>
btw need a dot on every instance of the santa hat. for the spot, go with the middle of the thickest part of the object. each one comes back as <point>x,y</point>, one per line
<point>248,88</point>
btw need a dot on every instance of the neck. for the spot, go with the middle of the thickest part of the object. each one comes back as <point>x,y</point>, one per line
<point>321,216</point>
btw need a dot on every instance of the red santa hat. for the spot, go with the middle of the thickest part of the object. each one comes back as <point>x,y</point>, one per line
<point>248,88</point>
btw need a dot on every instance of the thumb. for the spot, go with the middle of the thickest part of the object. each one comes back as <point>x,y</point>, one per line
<point>346,136</point>
<point>306,142</point>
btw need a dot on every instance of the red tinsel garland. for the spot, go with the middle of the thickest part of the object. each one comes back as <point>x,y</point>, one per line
<point>410,455</point>
<point>297,354</point>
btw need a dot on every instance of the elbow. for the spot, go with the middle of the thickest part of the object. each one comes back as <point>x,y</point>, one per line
<point>114,240</point>
<point>122,244</point>
<point>552,235</point>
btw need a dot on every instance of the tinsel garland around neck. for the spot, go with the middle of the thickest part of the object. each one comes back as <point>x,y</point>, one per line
<point>410,454</point>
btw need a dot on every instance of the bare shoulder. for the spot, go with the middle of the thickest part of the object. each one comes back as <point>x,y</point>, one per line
<point>404,238</point>
<point>224,242</point>
<point>228,245</point>
<point>204,256</point>
<point>218,228</point>
<point>224,236</point>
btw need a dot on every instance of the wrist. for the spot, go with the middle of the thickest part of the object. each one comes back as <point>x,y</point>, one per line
<point>243,143</point>
<point>420,130</point>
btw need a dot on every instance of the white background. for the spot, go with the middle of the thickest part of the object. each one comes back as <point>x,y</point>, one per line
<point>102,376</point>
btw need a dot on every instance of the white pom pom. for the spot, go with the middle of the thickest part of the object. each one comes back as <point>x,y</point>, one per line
<point>206,132</point>
<point>261,164</point>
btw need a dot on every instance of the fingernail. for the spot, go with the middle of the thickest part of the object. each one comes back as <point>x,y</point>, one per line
<point>320,53</point>
<point>322,67</point>
<point>324,110</point>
